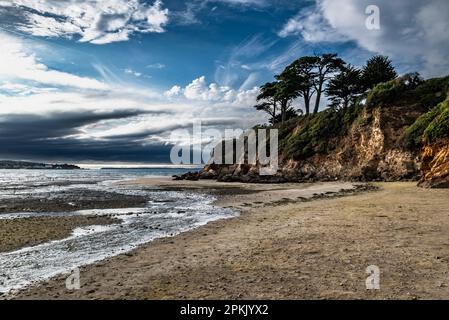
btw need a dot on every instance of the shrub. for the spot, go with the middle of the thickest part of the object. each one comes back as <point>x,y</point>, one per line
<point>429,127</point>
<point>314,134</point>
<point>413,135</point>
<point>439,127</point>
<point>387,93</point>
<point>432,92</point>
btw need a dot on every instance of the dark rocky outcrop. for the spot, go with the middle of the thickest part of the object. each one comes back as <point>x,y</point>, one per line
<point>7,164</point>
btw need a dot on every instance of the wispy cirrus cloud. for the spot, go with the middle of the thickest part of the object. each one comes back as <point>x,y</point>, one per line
<point>312,26</point>
<point>156,66</point>
<point>133,72</point>
<point>97,22</point>
<point>241,61</point>
<point>244,2</point>
<point>18,64</point>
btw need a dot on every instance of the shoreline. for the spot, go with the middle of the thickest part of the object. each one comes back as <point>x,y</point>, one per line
<point>70,201</point>
<point>16,233</point>
<point>297,249</point>
<point>230,195</point>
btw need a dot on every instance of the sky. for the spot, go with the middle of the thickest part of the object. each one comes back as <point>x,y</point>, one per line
<point>110,81</point>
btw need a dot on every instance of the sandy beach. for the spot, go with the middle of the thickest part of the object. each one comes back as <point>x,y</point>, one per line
<point>307,241</point>
<point>28,232</point>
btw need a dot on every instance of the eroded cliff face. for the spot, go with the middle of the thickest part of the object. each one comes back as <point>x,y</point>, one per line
<point>369,151</point>
<point>435,165</point>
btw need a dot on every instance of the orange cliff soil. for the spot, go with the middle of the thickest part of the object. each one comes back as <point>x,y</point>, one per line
<point>435,165</point>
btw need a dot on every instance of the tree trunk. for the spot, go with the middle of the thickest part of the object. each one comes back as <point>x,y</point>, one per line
<point>283,111</point>
<point>274,112</point>
<point>307,105</point>
<point>318,96</point>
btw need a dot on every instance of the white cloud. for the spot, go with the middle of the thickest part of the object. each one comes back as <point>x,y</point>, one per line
<point>412,32</point>
<point>17,64</point>
<point>97,22</point>
<point>244,2</point>
<point>200,90</point>
<point>251,81</point>
<point>156,66</point>
<point>175,91</point>
<point>312,26</point>
<point>132,72</point>
<point>214,95</point>
<point>20,89</point>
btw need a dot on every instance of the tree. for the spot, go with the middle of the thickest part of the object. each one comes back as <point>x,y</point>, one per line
<point>285,94</point>
<point>326,66</point>
<point>378,69</point>
<point>267,100</point>
<point>302,76</point>
<point>345,87</point>
<point>276,97</point>
<point>290,114</point>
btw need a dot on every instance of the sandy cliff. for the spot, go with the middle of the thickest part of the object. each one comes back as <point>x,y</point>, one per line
<point>435,165</point>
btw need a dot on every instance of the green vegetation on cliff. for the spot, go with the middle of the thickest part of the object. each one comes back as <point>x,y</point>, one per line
<point>315,134</point>
<point>433,124</point>
<point>439,127</point>
<point>413,135</point>
<point>388,93</point>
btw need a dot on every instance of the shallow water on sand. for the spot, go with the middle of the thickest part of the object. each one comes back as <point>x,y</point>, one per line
<point>166,214</point>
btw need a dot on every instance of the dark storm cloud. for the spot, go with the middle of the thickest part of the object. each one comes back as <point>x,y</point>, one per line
<point>44,137</point>
<point>216,123</point>
<point>54,124</point>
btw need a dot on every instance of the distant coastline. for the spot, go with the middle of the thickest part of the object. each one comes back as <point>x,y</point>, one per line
<point>7,164</point>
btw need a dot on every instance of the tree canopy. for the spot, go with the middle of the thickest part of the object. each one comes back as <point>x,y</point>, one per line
<point>377,70</point>
<point>344,89</point>
<point>310,77</point>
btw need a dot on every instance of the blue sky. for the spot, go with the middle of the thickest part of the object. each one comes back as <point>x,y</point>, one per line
<point>122,75</point>
<point>186,49</point>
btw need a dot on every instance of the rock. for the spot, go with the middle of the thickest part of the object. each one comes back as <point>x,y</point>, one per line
<point>435,165</point>
<point>192,176</point>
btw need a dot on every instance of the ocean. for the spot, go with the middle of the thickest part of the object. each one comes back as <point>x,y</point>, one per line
<point>165,214</point>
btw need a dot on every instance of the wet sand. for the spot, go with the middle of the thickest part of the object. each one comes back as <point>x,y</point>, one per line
<point>71,200</point>
<point>30,231</point>
<point>26,232</point>
<point>284,246</point>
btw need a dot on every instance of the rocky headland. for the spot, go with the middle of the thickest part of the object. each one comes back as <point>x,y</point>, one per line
<point>399,132</point>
